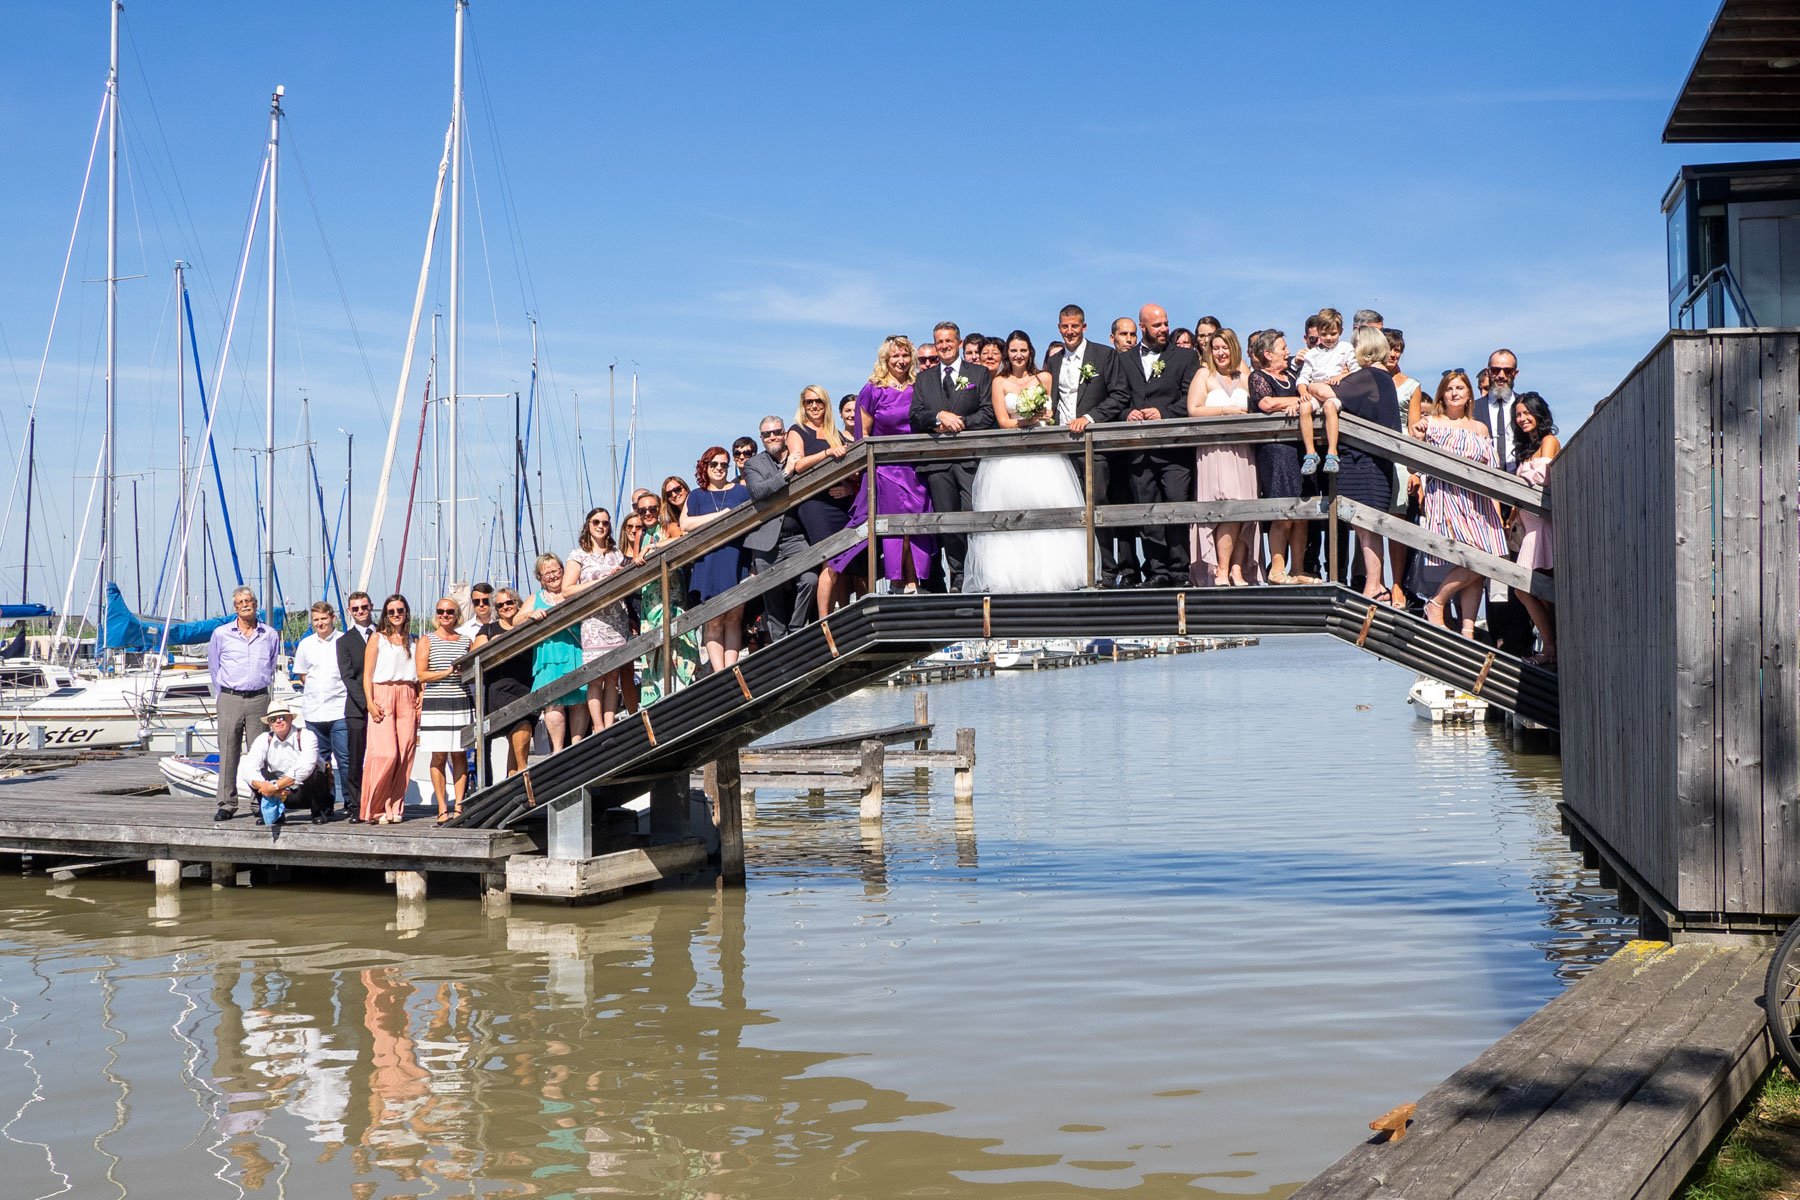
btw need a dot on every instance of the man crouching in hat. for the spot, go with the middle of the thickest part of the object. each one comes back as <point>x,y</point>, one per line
<point>282,765</point>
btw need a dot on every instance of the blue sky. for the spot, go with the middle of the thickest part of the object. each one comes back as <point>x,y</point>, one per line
<point>735,201</point>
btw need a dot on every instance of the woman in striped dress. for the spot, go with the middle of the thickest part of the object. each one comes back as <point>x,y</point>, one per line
<point>1456,512</point>
<point>447,709</point>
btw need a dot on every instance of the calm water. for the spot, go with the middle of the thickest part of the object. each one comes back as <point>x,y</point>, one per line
<point>1206,917</point>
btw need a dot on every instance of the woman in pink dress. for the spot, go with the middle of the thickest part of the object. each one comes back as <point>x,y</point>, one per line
<point>1221,388</point>
<point>1534,446</point>
<point>594,558</point>
<point>1456,512</point>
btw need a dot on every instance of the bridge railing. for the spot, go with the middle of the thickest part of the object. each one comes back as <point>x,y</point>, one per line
<point>661,569</point>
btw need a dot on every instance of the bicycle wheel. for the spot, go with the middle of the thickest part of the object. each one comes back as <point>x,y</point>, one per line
<point>1781,998</point>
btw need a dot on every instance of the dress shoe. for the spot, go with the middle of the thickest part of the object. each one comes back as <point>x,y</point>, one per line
<point>259,819</point>
<point>321,820</point>
<point>224,814</point>
<point>355,820</point>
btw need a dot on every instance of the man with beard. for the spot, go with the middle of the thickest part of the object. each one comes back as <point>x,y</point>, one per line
<point>1158,374</point>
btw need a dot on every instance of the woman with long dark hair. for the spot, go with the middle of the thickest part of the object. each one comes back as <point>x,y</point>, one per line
<point>723,568</point>
<point>1535,446</point>
<point>391,691</point>
<point>594,558</point>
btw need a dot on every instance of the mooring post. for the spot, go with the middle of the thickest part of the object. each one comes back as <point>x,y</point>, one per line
<point>922,717</point>
<point>871,772</point>
<point>223,874</point>
<point>723,786</point>
<point>409,886</point>
<point>965,765</point>
<point>167,871</point>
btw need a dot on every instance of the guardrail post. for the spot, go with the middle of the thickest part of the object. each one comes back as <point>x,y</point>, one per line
<point>668,640</point>
<point>1087,521</point>
<point>481,733</point>
<point>869,474</point>
<point>1331,530</point>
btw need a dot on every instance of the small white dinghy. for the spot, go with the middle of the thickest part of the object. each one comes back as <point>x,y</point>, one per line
<point>191,776</point>
<point>1441,704</point>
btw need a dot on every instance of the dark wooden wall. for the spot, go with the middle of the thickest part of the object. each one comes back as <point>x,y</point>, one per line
<point>1678,571</point>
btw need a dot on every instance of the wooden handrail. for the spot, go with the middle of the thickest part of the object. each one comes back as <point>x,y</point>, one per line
<point>1116,437</point>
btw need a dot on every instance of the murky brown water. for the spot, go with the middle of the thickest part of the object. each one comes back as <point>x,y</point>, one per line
<point>1206,920</point>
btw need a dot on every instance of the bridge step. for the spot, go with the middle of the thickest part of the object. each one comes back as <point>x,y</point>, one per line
<point>877,635</point>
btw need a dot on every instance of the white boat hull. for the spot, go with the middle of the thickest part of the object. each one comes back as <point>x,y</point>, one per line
<point>1439,703</point>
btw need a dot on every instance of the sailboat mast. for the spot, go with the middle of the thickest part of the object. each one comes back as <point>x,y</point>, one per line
<point>30,471</point>
<point>612,420</point>
<point>456,154</point>
<point>108,534</point>
<point>183,578</point>
<point>268,596</point>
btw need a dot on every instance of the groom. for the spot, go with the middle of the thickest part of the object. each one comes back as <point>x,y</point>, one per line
<point>947,399</point>
<point>1090,387</point>
<point>1159,373</point>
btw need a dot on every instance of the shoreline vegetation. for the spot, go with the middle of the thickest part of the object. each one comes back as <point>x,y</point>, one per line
<point>1760,1158</point>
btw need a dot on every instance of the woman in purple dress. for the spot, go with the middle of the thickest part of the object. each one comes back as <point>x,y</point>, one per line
<point>882,410</point>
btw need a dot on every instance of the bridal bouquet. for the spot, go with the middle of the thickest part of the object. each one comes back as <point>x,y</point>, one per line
<point>1034,402</point>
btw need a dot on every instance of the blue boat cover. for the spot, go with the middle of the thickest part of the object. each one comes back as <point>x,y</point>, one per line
<point>24,612</point>
<point>124,630</point>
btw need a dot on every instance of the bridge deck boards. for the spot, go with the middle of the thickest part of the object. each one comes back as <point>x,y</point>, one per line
<point>1613,1089</point>
<point>118,808</point>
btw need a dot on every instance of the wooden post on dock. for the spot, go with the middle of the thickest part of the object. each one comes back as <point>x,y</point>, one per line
<point>922,718</point>
<point>723,786</point>
<point>496,901</point>
<point>409,886</point>
<point>871,775</point>
<point>168,872</point>
<point>964,788</point>
<point>223,874</point>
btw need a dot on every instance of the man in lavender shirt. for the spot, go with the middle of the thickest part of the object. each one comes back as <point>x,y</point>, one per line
<point>241,660</point>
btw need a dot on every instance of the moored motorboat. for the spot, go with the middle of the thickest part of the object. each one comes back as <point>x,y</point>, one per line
<point>1440,703</point>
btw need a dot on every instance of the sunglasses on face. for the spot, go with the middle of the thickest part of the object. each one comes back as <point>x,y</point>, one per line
<point>395,612</point>
<point>446,612</point>
<point>718,464</point>
<point>747,453</point>
<point>480,600</point>
<point>647,512</point>
<point>508,604</point>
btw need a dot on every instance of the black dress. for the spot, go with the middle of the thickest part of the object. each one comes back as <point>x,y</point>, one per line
<point>821,516</point>
<point>507,681</point>
<point>1277,463</point>
<point>1368,393</point>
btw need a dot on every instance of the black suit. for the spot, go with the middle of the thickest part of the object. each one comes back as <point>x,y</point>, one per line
<point>1163,476</point>
<point>350,649</point>
<point>949,482</point>
<point>1105,396</point>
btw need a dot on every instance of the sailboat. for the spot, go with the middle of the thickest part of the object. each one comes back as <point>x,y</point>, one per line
<point>107,705</point>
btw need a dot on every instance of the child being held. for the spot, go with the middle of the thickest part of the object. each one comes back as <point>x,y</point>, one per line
<point>1328,361</point>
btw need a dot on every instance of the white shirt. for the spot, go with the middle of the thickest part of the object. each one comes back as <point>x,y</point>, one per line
<point>315,660</point>
<point>1319,364</point>
<point>394,664</point>
<point>1149,358</point>
<point>1068,382</point>
<point>1500,426</point>
<point>469,629</point>
<point>297,757</point>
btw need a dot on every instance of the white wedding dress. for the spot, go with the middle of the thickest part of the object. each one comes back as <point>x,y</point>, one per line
<point>1033,560</point>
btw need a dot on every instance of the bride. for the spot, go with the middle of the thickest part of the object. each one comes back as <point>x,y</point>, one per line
<point>1038,560</point>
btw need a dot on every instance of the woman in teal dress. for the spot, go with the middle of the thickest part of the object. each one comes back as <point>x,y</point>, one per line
<point>565,719</point>
<point>660,526</point>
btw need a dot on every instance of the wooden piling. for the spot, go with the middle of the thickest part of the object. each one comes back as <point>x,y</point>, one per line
<point>723,785</point>
<point>964,786</point>
<point>871,776</point>
<point>409,886</point>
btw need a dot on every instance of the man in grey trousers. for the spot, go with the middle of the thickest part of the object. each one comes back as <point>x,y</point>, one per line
<point>240,660</point>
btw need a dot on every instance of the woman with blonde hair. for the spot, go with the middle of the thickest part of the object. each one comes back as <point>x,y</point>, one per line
<point>1368,392</point>
<point>510,681</point>
<point>1221,388</point>
<point>884,409</point>
<point>814,441</point>
<point>565,718</point>
<point>446,709</point>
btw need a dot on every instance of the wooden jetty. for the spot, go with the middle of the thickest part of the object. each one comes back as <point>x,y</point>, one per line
<point>1613,1089</point>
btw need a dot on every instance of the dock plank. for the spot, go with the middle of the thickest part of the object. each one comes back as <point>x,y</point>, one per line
<point>1613,1089</point>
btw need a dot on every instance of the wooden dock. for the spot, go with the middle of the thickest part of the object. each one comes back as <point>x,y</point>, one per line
<point>1613,1089</point>
<point>119,808</point>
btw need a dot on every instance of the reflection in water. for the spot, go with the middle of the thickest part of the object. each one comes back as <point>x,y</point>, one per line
<point>1201,982</point>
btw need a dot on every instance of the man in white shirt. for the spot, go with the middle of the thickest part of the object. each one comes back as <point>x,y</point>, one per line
<point>322,695</point>
<point>481,599</point>
<point>281,767</point>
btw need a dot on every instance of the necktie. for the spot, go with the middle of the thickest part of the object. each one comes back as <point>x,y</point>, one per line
<point>949,379</point>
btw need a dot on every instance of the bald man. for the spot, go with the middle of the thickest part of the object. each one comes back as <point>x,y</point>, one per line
<point>1159,373</point>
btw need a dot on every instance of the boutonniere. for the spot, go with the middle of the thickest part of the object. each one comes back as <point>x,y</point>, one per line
<point>1157,369</point>
<point>961,381</point>
<point>1088,372</point>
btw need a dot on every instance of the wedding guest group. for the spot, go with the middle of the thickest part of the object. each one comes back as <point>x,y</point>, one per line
<point>381,692</point>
